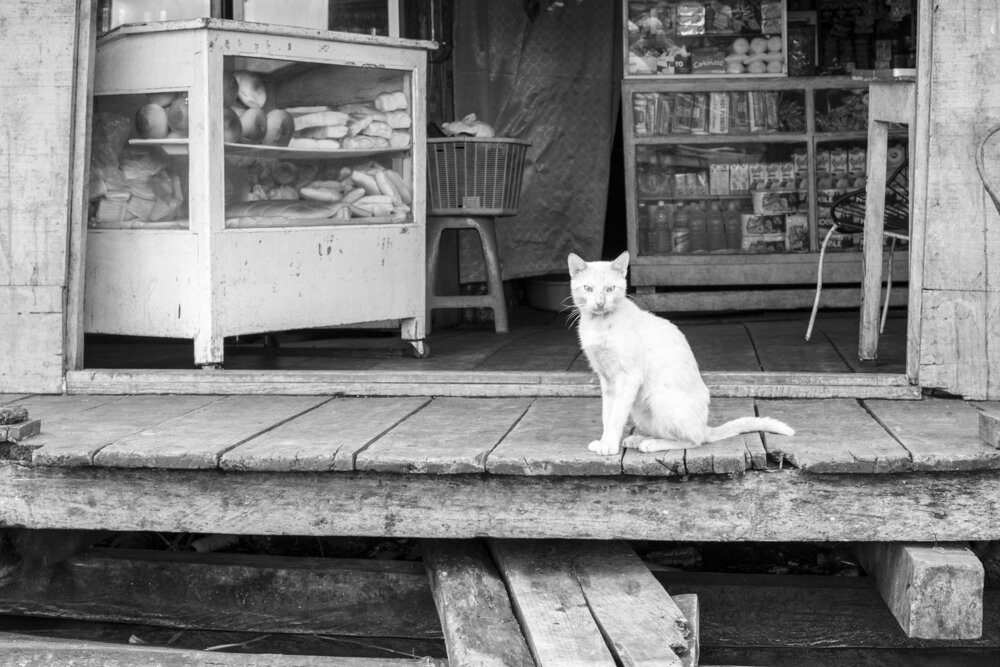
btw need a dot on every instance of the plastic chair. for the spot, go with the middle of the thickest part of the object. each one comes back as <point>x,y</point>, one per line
<point>848,214</point>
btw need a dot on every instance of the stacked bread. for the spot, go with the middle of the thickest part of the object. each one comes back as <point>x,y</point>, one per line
<point>384,123</point>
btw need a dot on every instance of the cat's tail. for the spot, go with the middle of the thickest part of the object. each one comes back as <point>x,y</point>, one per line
<point>748,425</point>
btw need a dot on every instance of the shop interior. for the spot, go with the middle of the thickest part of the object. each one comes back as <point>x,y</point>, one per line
<point>660,171</point>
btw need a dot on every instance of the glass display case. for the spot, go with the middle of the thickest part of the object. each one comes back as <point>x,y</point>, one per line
<point>247,179</point>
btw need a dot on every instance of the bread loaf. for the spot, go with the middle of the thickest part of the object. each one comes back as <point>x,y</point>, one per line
<point>282,208</point>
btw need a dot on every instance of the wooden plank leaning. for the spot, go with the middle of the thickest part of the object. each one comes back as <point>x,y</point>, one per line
<point>472,602</point>
<point>570,595</point>
<point>934,591</point>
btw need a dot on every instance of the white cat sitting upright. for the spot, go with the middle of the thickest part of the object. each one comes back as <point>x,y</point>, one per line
<point>646,369</point>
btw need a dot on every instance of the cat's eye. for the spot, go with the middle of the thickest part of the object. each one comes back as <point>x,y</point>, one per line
<point>588,288</point>
<point>609,289</point>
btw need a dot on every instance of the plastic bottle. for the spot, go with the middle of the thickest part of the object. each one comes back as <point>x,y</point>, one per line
<point>699,229</point>
<point>716,229</point>
<point>734,233</point>
<point>681,234</point>
<point>660,235</point>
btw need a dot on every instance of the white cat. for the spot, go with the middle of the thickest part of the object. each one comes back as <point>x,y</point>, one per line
<point>646,368</point>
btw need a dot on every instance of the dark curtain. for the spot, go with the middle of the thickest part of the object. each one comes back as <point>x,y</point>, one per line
<point>547,76</point>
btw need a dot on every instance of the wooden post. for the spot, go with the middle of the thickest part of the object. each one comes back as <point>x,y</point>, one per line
<point>935,592</point>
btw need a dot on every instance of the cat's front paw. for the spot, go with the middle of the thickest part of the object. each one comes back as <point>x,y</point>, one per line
<point>602,448</point>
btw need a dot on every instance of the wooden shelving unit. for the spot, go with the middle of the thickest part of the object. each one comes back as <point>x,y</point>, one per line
<point>772,277</point>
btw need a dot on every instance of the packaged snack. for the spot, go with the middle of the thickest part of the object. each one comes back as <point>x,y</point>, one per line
<point>774,201</point>
<point>772,174</point>
<point>664,113</point>
<point>857,160</point>
<point>718,179</point>
<point>764,243</point>
<point>823,160</point>
<point>757,176</point>
<point>742,174</point>
<point>797,232</point>
<point>800,163</point>
<point>739,112</point>
<point>838,162</point>
<point>718,113</point>
<point>708,60</point>
<point>699,113</point>
<point>683,108</point>
<point>639,119</point>
<point>690,18</point>
<point>754,224</point>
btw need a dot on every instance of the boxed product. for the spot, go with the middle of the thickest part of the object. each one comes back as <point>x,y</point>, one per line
<point>823,161</point>
<point>718,113</point>
<point>857,160</point>
<point>797,232</point>
<point>719,179</point>
<point>800,163</point>
<point>664,113</point>
<point>739,178</point>
<point>775,201</point>
<point>838,161</point>
<point>683,108</point>
<point>758,175</point>
<point>772,171</point>
<point>764,243</point>
<point>757,225</point>
<point>739,121</point>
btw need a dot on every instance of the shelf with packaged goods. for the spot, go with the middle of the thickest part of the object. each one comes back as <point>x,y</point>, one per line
<point>717,39</point>
<point>327,246</point>
<point>822,116</point>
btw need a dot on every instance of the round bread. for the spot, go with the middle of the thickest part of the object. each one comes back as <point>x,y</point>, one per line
<point>250,89</point>
<point>177,115</point>
<point>280,126</point>
<point>232,128</point>
<point>162,99</point>
<point>151,122</point>
<point>254,125</point>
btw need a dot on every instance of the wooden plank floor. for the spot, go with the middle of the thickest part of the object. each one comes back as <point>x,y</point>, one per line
<point>521,436</point>
<point>539,341</point>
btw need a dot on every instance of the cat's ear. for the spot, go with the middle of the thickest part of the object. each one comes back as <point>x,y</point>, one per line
<point>621,263</point>
<point>575,263</point>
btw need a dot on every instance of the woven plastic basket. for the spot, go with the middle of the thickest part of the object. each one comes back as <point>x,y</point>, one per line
<point>474,176</point>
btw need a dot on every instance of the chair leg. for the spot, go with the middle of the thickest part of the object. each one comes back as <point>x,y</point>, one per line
<point>491,252</point>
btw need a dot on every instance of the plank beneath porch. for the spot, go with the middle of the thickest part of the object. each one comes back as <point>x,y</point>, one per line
<point>544,436</point>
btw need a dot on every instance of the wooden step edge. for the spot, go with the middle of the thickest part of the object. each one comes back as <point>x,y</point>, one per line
<point>470,383</point>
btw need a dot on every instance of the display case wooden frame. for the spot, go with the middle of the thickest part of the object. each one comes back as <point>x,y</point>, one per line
<point>743,271</point>
<point>208,282</point>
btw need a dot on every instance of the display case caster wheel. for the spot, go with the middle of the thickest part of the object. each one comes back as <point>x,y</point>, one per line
<point>419,349</point>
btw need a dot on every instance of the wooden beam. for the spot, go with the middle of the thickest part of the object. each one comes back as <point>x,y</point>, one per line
<point>787,505</point>
<point>29,650</point>
<point>473,605</point>
<point>232,592</point>
<point>550,605</point>
<point>934,591</point>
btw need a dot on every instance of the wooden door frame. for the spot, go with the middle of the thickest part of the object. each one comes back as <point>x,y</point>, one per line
<point>77,236</point>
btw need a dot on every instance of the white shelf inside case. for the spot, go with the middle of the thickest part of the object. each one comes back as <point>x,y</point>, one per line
<point>182,147</point>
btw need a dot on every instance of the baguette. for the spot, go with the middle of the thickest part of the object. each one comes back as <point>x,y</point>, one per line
<point>314,144</point>
<point>365,181</point>
<point>386,187</point>
<point>400,185</point>
<point>323,132</point>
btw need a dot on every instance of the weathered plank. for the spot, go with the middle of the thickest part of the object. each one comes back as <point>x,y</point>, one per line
<point>451,435</point>
<point>952,337</point>
<point>473,605</point>
<point>640,622</point>
<point>833,436</point>
<point>197,439</point>
<point>77,439</point>
<point>781,346</point>
<point>934,591</point>
<point>789,505</point>
<point>327,438</point>
<point>12,398</point>
<point>33,651</point>
<point>552,439</point>
<point>550,605</point>
<point>241,592</point>
<point>723,457</point>
<point>721,347</point>
<point>939,434</point>
<point>549,349</point>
